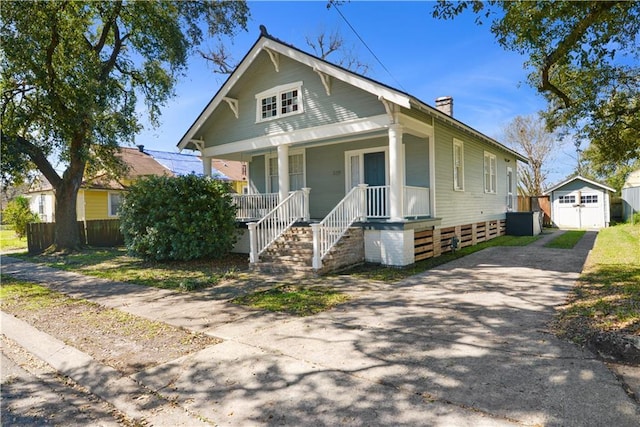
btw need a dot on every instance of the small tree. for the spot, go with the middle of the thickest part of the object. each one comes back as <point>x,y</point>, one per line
<point>529,134</point>
<point>19,215</point>
<point>178,218</point>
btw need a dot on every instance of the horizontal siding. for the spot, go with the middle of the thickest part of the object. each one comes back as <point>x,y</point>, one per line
<point>257,177</point>
<point>326,175</point>
<point>96,204</point>
<point>345,103</point>
<point>578,185</point>
<point>416,152</point>
<point>472,204</point>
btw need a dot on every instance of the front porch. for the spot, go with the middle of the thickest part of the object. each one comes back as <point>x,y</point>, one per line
<point>275,232</point>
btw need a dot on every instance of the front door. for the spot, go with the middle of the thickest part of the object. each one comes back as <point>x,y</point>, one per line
<point>375,176</point>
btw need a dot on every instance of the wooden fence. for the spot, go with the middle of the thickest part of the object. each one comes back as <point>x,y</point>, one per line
<point>103,233</point>
<point>536,203</point>
<point>433,243</point>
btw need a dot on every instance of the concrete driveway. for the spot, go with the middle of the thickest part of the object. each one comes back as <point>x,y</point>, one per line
<point>463,344</point>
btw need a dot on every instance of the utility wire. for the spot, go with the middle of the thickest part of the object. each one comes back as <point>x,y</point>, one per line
<point>335,5</point>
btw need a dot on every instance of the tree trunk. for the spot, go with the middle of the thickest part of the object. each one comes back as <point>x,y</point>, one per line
<point>67,234</point>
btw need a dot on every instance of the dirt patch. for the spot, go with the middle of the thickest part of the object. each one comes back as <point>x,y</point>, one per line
<point>123,341</point>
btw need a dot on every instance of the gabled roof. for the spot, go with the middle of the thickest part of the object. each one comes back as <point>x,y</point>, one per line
<point>581,178</point>
<point>381,90</point>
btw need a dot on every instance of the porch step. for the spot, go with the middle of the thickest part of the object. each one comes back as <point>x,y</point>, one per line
<point>293,252</point>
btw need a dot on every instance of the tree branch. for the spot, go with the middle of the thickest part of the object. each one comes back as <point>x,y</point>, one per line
<point>37,156</point>
<point>564,47</point>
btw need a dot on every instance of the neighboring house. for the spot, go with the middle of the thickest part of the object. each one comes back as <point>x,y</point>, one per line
<point>631,195</point>
<point>100,197</point>
<point>579,202</point>
<point>375,159</point>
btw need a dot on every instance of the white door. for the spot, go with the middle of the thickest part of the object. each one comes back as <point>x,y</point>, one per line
<point>579,209</point>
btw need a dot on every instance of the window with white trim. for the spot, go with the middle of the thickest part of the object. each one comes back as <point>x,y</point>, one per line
<point>280,101</point>
<point>296,172</point>
<point>567,199</point>
<point>458,165</point>
<point>589,199</point>
<point>42,204</point>
<point>115,201</point>
<point>490,166</point>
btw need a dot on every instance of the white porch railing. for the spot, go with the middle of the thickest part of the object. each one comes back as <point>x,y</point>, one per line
<point>360,203</point>
<point>277,221</point>
<point>254,206</point>
<point>329,231</point>
<point>416,202</point>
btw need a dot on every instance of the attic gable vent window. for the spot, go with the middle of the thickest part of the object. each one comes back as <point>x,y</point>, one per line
<point>279,102</point>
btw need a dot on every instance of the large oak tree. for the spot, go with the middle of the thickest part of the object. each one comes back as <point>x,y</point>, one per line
<point>72,73</point>
<point>584,57</point>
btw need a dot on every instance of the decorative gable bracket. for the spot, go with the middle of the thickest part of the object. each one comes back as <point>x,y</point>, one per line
<point>325,79</point>
<point>390,108</point>
<point>233,104</point>
<point>275,58</point>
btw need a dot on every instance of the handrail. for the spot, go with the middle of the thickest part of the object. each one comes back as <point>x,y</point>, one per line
<point>277,221</point>
<point>252,206</point>
<point>331,229</point>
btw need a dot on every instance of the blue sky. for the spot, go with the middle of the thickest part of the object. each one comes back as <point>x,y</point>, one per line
<point>425,57</point>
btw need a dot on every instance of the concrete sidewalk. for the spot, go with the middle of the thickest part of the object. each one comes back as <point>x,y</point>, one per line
<point>466,343</point>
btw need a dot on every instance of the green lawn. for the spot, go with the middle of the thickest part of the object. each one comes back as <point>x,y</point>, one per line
<point>115,264</point>
<point>293,299</point>
<point>607,296</point>
<point>10,242</point>
<point>566,240</point>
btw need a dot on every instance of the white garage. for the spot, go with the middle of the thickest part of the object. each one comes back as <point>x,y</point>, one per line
<point>579,202</point>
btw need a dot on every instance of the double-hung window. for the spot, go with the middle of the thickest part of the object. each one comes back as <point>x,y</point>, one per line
<point>458,165</point>
<point>490,166</point>
<point>280,101</point>
<point>296,172</point>
<point>115,200</point>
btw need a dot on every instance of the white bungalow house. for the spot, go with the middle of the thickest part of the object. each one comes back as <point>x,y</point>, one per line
<point>365,171</point>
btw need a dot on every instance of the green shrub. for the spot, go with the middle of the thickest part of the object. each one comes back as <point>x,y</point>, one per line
<point>635,218</point>
<point>18,214</point>
<point>178,218</point>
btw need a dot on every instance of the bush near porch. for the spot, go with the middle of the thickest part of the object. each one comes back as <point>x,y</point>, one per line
<point>178,218</point>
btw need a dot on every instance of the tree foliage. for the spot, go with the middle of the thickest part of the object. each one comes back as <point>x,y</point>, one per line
<point>178,218</point>
<point>18,214</point>
<point>584,58</point>
<point>72,74</point>
<point>529,135</point>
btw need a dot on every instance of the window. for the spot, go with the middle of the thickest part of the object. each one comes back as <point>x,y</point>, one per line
<point>458,165</point>
<point>115,200</point>
<point>296,172</point>
<point>278,102</point>
<point>490,167</point>
<point>42,203</point>
<point>567,199</point>
<point>589,199</point>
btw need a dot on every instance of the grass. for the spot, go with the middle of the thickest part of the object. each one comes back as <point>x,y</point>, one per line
<point>390,274</point>
<point>10,242</point>
<point>115,264</point>
<point>566,240</point>
<point>607,296</point>
<point>294,299</point>
<point>19,295</point>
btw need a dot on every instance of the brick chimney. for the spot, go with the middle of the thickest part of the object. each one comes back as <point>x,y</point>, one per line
<point>445,104</point>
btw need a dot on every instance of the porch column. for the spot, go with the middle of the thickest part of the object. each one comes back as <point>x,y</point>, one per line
<point>396,173</point>
<point>283,172</point>
<point>206,166</point>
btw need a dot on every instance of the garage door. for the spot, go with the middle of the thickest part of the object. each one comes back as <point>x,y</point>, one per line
<point>579,209</point>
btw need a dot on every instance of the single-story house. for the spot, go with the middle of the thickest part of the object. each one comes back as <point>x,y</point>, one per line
<point>579,202</point>
<point>100,196</point>
<point>335,157</point>
<point>631,195</point>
